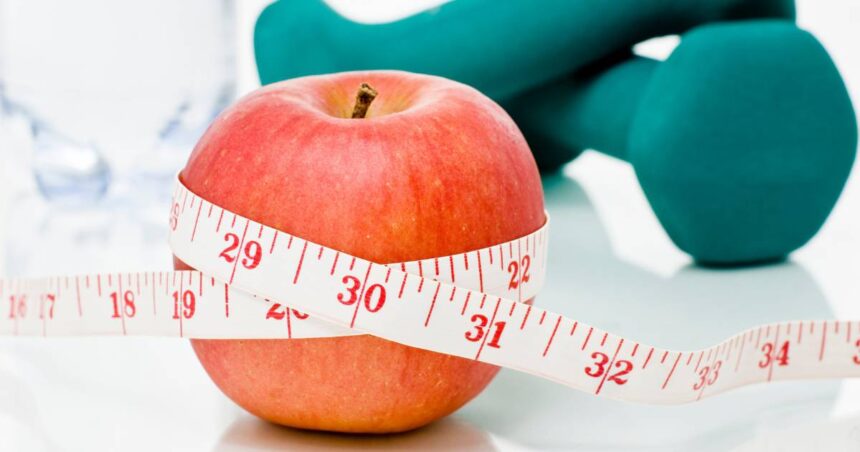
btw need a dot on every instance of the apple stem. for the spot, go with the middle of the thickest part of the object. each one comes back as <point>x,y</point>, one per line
<point>363,99</point>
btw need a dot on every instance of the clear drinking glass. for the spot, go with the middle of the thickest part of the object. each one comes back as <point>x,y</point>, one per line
<point>101,103</point>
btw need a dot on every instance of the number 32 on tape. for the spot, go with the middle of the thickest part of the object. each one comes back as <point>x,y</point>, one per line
<point>257,282</point>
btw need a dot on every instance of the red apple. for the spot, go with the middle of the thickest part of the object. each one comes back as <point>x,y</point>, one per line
<point>435,168</point>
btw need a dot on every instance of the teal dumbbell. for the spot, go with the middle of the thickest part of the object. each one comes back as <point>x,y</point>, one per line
<point>742,139</point>
<point>499,47</point>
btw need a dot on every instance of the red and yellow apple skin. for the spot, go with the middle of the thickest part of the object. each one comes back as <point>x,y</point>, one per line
<point>436,168</point>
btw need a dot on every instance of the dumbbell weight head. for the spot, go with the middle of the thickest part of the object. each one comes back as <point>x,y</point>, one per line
<point>742,139</point>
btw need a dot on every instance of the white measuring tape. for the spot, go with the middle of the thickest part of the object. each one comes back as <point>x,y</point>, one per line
<point>257,282</point>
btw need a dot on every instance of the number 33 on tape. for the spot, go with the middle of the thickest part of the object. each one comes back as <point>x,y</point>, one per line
<point>257,282</point>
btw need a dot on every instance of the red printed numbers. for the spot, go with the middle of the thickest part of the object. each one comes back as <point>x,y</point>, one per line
<point>46,307</point>
<point>252,253</point>
<point>374,295</point>
<point>174,216</point>
<point>279,311</point>
<point>601,360</point>
<point>771,354</point>
<point>477,333</point>
<point>708,375</point>
<point>17,307</point>
<point>184,305</point>
<point>124,302</point>
<point>514,270</point>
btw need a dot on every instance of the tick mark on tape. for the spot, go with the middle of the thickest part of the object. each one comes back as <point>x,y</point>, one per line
<point>776,344</point>
<point>526,317</point>
<point>241,242</point>
<point>289,323</point>
<point>78,291</point>
<point>360,294</point>
<point>465,303</point>
<point>648,358</point>
<point>492,319</point>
<point>153,287</point>
<point>611,362</point>
<point>334,263</point>
<point>226,300</point>
<point>668,377</point>
<point>740,353</point>
<point>274,240</point>
<point>301,261</point>
<point>587,337</point>
<point>481,271</point>
<point>119,300</point>
<point>402,285</point>
<point>551,336</point>
<point>432,305</point>
<point>220,217</point>
<point>823,341</point>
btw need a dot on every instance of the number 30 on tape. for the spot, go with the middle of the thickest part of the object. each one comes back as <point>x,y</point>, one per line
<point>257,282</point>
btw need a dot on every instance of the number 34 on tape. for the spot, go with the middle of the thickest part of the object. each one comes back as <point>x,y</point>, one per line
<point>257,282</point>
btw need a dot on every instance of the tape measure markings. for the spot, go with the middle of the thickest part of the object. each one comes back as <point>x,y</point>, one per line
<point>477,319</point>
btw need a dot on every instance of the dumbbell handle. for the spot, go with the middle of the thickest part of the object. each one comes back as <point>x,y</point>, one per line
<point>587,112</point>
<point>500,48</point>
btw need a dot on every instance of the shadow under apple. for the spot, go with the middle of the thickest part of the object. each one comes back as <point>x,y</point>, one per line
<point>248,433</point>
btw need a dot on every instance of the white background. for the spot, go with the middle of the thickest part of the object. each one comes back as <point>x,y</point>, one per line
<point>622,273</point>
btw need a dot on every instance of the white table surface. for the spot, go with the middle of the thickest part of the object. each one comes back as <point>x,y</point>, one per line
<point>610,265</point>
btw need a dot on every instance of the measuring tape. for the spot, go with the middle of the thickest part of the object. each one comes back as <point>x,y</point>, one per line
<point>258,282</point>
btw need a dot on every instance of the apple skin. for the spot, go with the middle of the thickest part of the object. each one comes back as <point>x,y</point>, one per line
<point>436,168</point>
